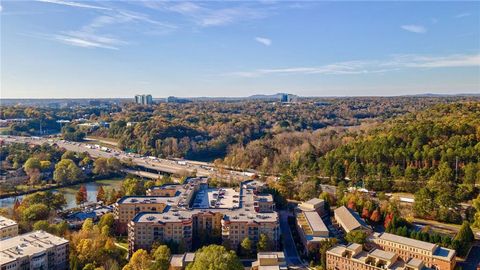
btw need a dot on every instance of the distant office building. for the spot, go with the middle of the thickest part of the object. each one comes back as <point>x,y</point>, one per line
<point>144,99</point>
<point>173,99</point>
<point>8,228</point>
<point>284,98</point>
<point>34,250</point>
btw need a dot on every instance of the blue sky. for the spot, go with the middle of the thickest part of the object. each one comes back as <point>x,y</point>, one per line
<point>70,48</point>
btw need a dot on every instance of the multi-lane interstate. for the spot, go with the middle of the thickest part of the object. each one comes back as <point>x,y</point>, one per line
<point>152,164</point>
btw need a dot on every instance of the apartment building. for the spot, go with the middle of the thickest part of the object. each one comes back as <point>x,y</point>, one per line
<point>353,257</point>
<point>270,261</point>
<point>197,211</point>
<point>126,208</point>
<point>148,228</point>
<point>157,199</point>
<point>34,250</point>
<point>264,203</point>
<point>8,228</point>
<point>349,220</point>
<point>432,255</point>
<point>311,228</point>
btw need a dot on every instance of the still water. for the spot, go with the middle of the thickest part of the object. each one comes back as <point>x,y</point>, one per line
<point>69,192</point>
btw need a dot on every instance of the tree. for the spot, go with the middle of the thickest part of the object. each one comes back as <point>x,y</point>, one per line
<point>100,166</point>
<point>471,172</point>
<point>443,179</point>
<point>308,190</point>
<point>89,266</point>
<point>69,155</point>
<point>375,217</point>
<point>45,165</point>
<point>114,165</point>
<point>42,225</point>
<point>140,261</point>
<point>108,221</point>
<point>66,171</point>
<point>81,197</point>
<point>87,225</point>
<point>476,205</point>
<point>133,186</point>
<point>263,243</point>
<point>101,195</point>
<point>35,212</point>
<point>424,204</point>
<point>215,257</point>
<point>246,245</point>
<point>161,255</point>
<point>54,201</point>
<point>32,167</point>
<point>465,234</point>
<point>356,236</point>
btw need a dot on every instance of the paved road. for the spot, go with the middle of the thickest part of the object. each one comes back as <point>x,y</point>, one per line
<point>156,164</point>
<point>289,247</point>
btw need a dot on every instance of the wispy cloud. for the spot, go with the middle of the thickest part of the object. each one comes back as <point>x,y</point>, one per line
<point>462,15</point>
<point>73,4</point>
<point>419,29</point>
<point>93,34</point>
<point>264,41</point>
<point>396,62</point>
<point>205,16</point>
<point>88,42</point>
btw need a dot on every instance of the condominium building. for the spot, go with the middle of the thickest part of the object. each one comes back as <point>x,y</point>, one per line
<point>8,228</point>
<point>264,203</point>
<point>433,255</point>
<point>34,250</point>
<point>311,228</point>
<point>353,257</point>
<point>270,261</point>
<point>157,199</point>
<point>198,211</point>
<point>349,220</point>
<point>126,208</point>
<point>144,99</point>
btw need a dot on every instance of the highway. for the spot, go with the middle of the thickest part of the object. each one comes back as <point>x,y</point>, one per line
<point>156,164</point>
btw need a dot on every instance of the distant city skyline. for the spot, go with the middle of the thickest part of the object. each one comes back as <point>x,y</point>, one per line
<point>117,49</point>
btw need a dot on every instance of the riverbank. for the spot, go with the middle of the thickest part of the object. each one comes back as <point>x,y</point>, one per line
<point>70,192</point>
<point>57,186</point>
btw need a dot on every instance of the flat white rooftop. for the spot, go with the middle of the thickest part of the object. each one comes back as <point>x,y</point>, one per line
<point>6,222</point>
<point>27,245</point>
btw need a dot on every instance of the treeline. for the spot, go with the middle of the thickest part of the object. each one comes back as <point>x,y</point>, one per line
<point>43,120</point>
<point>207,130</point>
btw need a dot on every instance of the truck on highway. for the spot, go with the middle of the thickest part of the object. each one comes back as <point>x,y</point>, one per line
<point>182,162</point>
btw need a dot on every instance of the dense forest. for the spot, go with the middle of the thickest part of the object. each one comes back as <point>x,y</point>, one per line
<point>434,153</point>
<point>209,130</point>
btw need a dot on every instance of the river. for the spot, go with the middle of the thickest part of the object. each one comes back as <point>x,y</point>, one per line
<point>69,192</point>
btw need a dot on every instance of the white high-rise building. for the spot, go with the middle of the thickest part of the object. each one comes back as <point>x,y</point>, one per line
<point>144,99</point>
